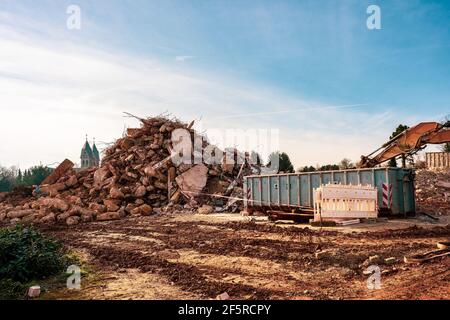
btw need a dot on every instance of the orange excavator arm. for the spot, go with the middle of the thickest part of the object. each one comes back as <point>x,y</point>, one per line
<point>408,142</point>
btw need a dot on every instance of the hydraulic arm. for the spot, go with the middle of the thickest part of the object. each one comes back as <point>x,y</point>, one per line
<point>408,142</point>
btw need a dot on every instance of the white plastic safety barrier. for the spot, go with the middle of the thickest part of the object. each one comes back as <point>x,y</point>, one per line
<point>345,201</point>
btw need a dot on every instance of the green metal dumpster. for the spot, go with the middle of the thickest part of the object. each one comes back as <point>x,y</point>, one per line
<point>294,191</point>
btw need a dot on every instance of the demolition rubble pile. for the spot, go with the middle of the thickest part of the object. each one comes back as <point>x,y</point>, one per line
<point>138,176</point>
<point>433,191</point>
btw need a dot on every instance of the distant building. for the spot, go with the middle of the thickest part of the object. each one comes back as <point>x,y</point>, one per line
<point>90,157</point>
<point>438,159</point>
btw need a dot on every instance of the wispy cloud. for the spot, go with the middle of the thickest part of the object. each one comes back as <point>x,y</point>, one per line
<point>313,108</point>
<point>53,92</point>
<point>183,58</point>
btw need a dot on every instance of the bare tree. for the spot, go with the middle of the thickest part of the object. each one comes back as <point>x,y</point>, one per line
<point>346,164</point>
<point>446,147</point>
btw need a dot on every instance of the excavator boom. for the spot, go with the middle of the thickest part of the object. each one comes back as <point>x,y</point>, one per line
<point>408,142</point>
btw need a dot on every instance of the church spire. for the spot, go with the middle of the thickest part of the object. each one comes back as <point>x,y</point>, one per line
<point>96,153</point>
<point>90,157</point>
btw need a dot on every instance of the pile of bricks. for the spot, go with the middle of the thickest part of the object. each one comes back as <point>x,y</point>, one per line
<point>151,169</point>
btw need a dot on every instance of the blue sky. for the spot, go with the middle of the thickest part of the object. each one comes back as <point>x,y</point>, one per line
<point>210,59</point>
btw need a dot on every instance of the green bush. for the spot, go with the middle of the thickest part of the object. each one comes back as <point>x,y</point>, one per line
<point>25,254</point>
<point>11,290</point>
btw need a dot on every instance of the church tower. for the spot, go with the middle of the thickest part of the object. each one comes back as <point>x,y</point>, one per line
<point>96,155</point>
<point>90,157</point>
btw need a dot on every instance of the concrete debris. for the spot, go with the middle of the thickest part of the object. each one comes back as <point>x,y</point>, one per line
<point>108,216</point>
<point>324,254</point>
<point>19,213</point>
<point>34,291</point>
<point>111,205</point>
<point>145,210</point>
<point>390,260</point>
<point>433,191</point>
<point>116,193</point>
<point>140,192</point>
<point>375,260</point>
<point>71,221</point>
<point>51,217</point>
<point>60,171</point>
<point>71,181</point>
<point>205,209</point>
<point>194,180</point>
<point>138,176</point>
<point>443,184</point>
<point>100,176</point>
<point>53,203</point>
<point>348,222</point>
<point>223,296</point>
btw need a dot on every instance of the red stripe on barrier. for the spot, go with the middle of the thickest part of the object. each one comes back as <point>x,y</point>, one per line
<point>387,195</point>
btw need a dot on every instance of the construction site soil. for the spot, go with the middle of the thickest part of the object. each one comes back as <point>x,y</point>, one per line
<point>187,256</point>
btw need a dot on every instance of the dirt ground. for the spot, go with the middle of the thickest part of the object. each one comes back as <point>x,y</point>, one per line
<point>187,256</point>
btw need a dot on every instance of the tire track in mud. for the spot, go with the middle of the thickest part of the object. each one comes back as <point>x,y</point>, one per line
<point>187,277</point>
<point>241,239</point>
<point>124,252</point>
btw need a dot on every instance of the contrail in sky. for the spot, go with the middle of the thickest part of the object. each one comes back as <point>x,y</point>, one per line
<point>291,110</point>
